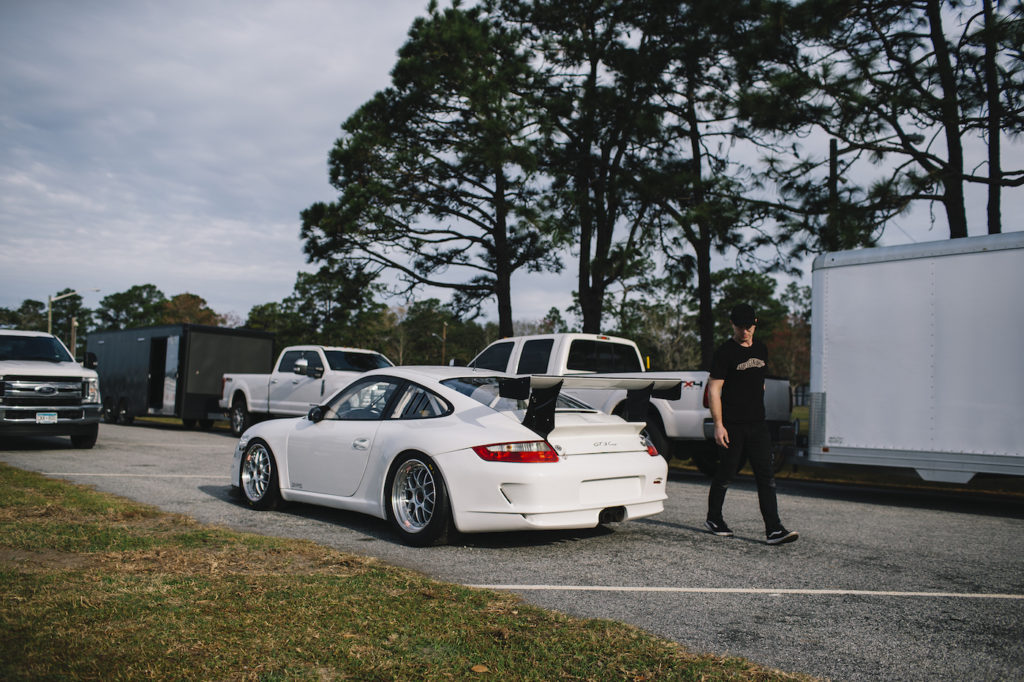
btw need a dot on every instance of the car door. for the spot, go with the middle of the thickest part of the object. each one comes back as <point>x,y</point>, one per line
<point>287,389</point>
<point>308,391</point>
<point>329,457</point>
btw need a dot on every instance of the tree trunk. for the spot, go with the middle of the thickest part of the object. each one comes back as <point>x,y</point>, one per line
<point>702,245</point>
<point>995,171</point>
<point>502,266</point>
<point>953,171</point>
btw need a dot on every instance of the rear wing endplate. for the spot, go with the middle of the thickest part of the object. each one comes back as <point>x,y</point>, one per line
<point>542,393</point>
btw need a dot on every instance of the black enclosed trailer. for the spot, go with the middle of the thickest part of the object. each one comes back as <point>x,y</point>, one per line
<point>173,370</point>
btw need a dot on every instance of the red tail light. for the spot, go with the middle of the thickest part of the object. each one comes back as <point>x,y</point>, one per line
<point>531,452</point>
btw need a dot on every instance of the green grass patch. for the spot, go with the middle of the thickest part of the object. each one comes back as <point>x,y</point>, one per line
<point>96,587</point>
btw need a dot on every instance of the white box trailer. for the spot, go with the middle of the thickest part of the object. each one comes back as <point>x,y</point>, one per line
<point>917,357</point>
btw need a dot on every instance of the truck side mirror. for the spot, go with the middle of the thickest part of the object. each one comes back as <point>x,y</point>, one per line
<point>316,414</point>
<point>315,372</point>
<point>301,366</point>
<point>91,361</point>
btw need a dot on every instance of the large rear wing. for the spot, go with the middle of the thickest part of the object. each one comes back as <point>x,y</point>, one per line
<point>542,393</point>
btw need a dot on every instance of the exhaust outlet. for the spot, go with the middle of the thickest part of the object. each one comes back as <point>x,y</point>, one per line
<point>612,515</point>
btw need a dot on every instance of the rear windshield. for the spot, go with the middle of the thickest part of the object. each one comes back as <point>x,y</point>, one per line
<point>354,361</point>
<point>587,355</point>
<point>45,348</point>
<point>484,390</point>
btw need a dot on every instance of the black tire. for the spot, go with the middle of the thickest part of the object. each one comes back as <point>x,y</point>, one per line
<point>656,434</point>
<point>705,458</point>
<point>416,501</point>
<point>205,424</point>
<point>108,413</point>
<point>258,477</point>
<point>124,415</point>
<point>780,455</point>
<point>188,423</point>
<point>85,441</point>
<point>241,419</point>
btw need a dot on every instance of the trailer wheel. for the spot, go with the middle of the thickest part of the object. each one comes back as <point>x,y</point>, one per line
<point>108,413</point>
<point>124,415</point>
<point>241,419</point>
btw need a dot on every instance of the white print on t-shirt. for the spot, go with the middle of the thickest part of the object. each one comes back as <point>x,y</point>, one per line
<point>751,364</point>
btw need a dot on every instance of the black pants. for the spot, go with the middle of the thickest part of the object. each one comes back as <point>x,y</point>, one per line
<point>754,441</point>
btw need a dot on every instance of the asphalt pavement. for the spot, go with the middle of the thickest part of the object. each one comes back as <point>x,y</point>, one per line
<point>882,584</point>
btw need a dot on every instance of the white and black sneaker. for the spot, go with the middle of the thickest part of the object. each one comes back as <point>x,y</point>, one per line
<point>718,528</point>
<point>781,536</point>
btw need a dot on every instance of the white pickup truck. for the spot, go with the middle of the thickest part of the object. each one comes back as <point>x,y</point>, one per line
<point>679,428</point>
<point>44,392</point>
<point>303,376</point>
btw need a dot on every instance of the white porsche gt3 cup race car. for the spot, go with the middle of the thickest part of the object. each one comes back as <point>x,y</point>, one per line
<point>435,448</point>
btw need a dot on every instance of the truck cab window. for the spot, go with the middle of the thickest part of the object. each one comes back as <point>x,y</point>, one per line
<point>535,355</point>
<point>288,361</point>
<point>495,357</point>
<point>313,358</point>
<point>586,355</point>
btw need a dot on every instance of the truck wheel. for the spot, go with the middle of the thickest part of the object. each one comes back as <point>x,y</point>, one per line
<point>705,458</point>
<point>656,434</point>
<point>780,453</point>
<point>240,417</point>
<point>86,440</point>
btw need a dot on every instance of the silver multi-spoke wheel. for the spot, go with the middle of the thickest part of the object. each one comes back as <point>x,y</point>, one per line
<point>259,478</point>
<point>413,495</point>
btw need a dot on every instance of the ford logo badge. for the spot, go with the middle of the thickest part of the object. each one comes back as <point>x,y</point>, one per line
<point>46,389</point>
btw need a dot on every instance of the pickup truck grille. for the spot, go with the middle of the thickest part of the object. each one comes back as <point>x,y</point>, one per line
<point>32,391</point>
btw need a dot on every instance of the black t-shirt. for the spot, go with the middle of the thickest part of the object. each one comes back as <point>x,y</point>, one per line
<point>744,370</point>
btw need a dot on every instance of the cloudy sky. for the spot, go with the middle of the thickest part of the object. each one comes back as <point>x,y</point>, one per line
<point>175,143</point>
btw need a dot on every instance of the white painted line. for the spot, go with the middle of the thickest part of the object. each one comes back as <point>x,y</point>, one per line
<point>748,590</point>
<point>82,473</point>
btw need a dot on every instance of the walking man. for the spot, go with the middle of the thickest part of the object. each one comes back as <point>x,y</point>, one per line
<point>736,396</point>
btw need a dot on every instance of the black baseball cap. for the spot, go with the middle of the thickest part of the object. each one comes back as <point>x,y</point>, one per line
<point>743,315</point>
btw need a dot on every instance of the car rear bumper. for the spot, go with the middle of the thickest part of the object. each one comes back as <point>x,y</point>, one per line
<point>575,492</point>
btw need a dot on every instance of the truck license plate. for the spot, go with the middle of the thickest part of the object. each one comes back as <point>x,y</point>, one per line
<point>46,417</point>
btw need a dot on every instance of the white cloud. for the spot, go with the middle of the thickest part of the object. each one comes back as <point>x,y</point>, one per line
<point>175,143</point>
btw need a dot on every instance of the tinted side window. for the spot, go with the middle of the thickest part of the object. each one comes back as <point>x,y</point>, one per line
<point>495,357</point>
<point>288,360</point>
<point>362,400</point>
<point>534,358</point>
<point>313,359</point>
<point>419,403</point>
<point>602,356</point>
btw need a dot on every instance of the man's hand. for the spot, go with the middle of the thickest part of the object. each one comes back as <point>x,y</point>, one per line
<point>721,436</point>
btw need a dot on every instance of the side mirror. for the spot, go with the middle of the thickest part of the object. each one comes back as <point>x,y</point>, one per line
<point>91,361</point>
<point>316,414</point>
<point>301,366</point>
<point>315,372</point>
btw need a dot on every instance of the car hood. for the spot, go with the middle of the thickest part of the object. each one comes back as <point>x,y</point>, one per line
<point>41,368</point>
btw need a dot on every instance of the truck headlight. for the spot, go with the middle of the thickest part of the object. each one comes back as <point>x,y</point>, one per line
<point>91,391</point>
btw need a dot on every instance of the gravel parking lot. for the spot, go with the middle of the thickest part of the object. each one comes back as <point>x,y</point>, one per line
<point>881,585</point>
